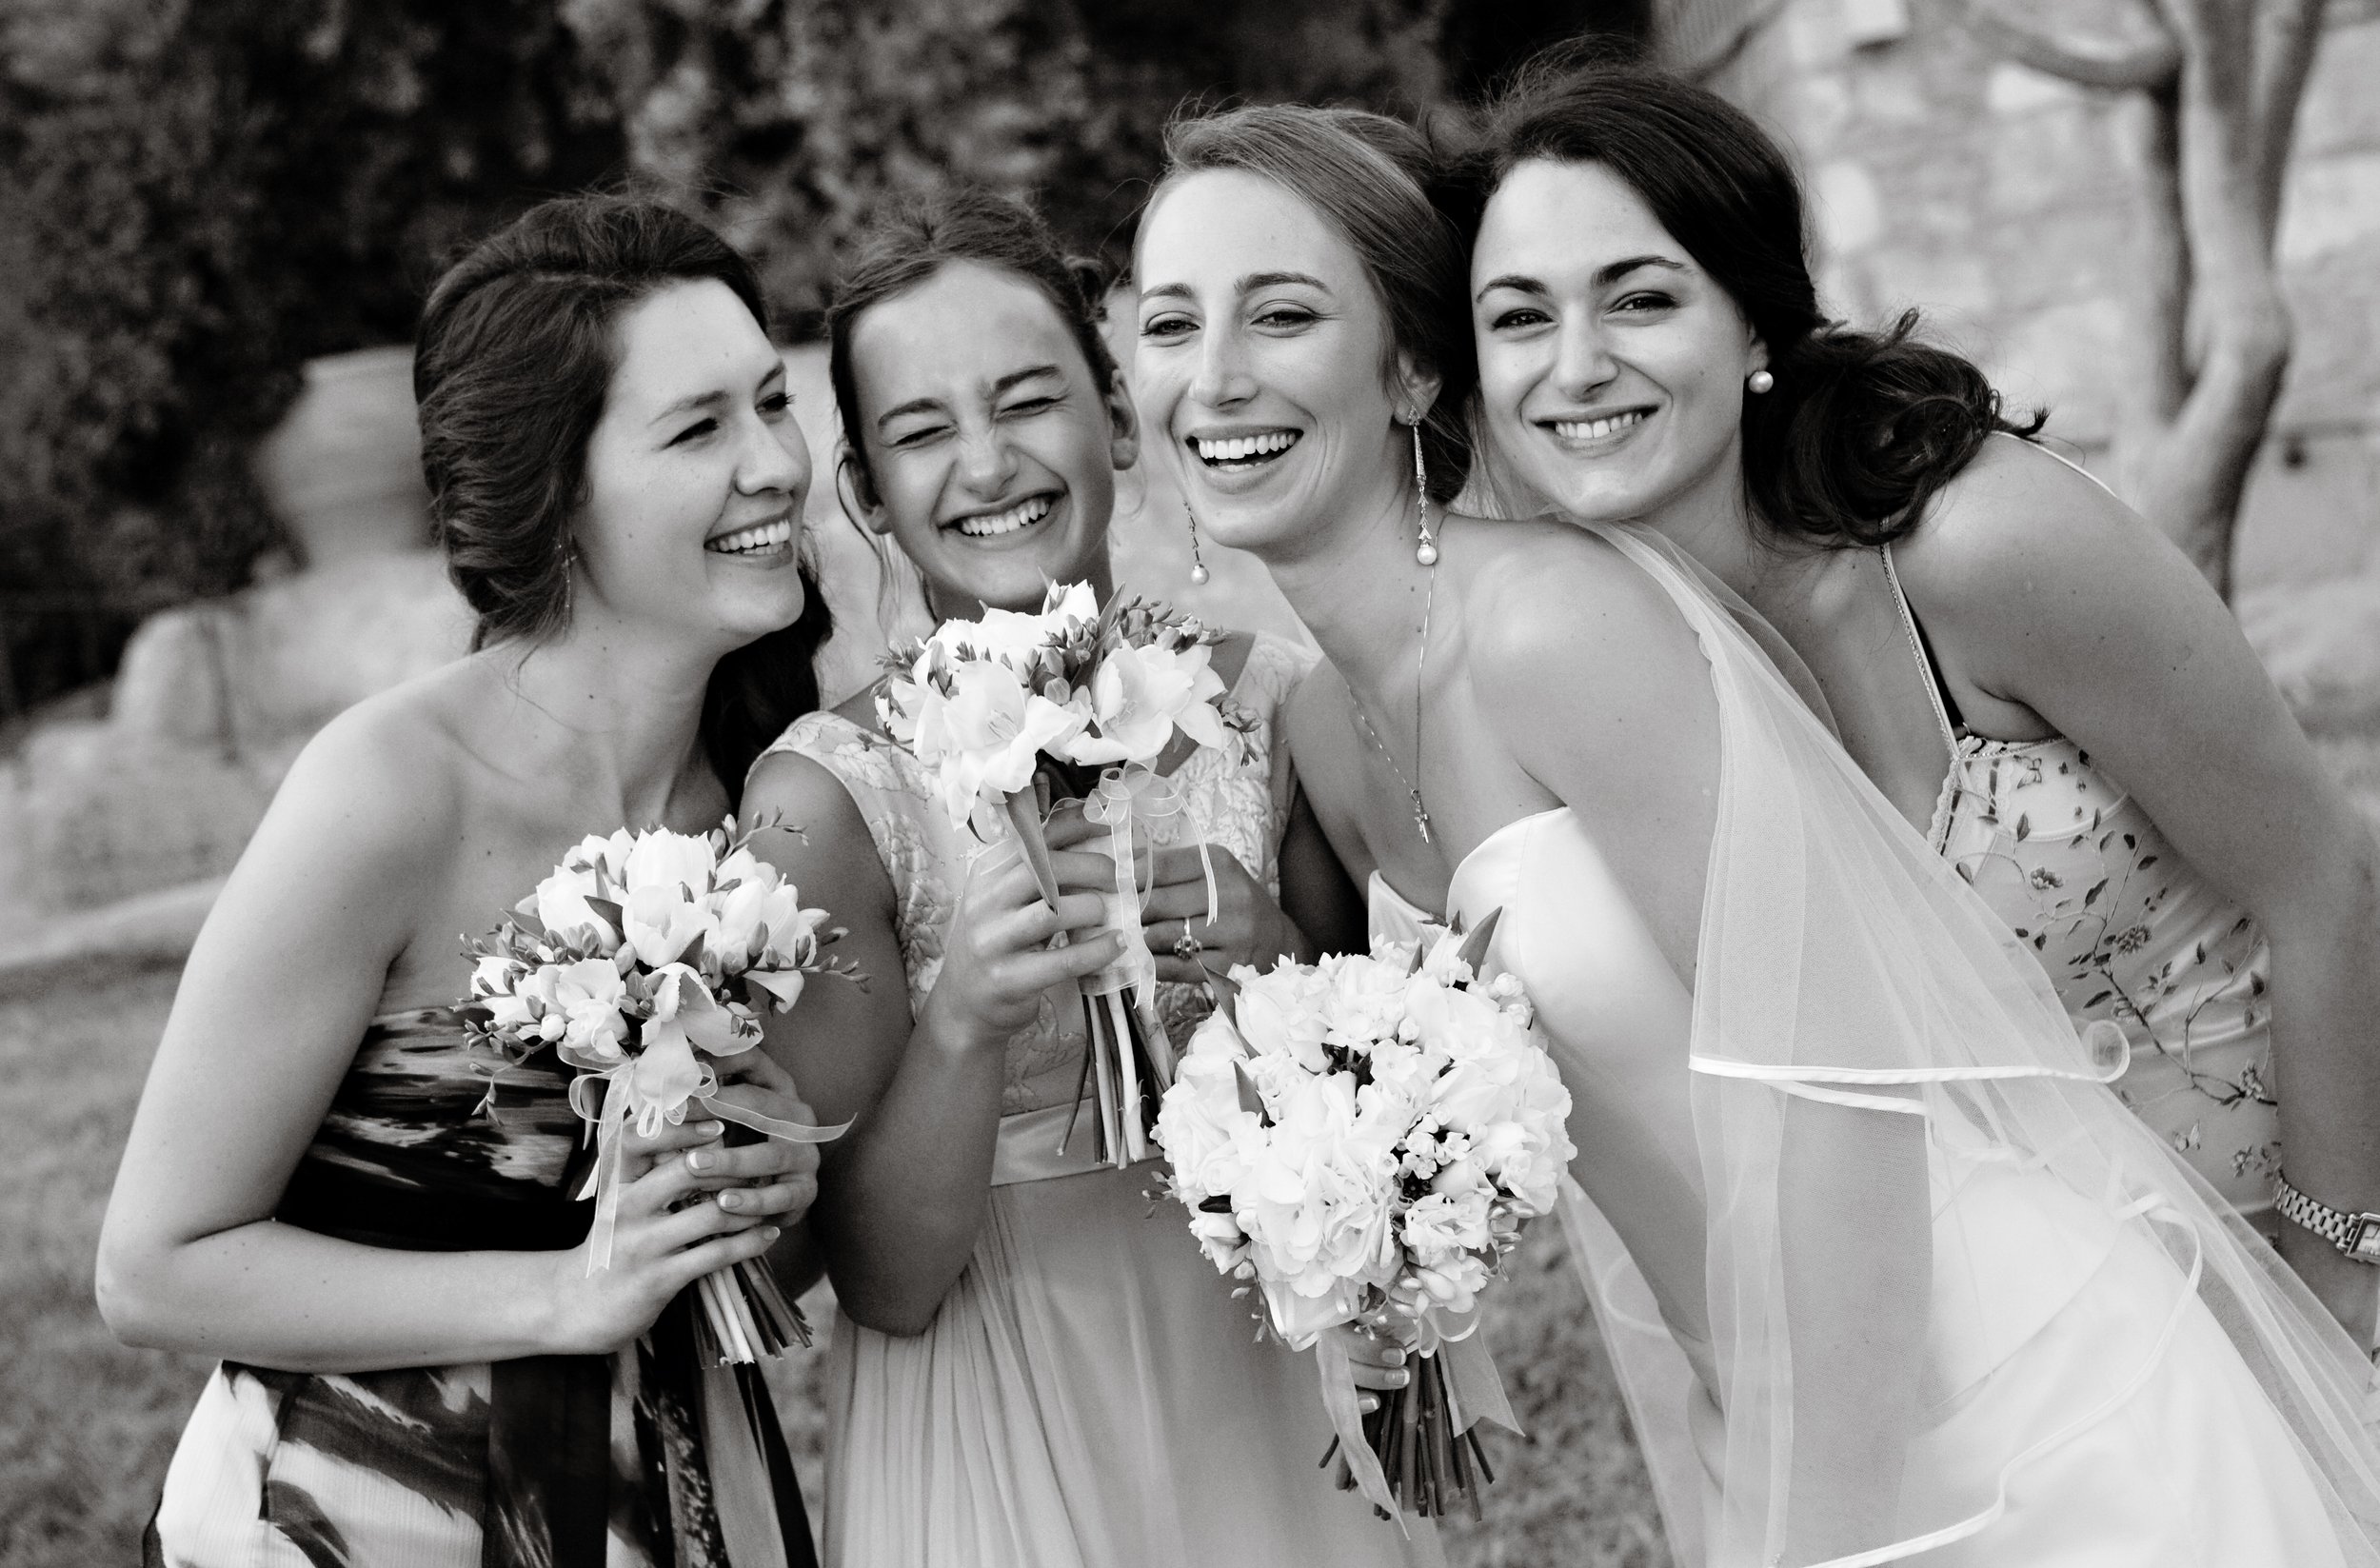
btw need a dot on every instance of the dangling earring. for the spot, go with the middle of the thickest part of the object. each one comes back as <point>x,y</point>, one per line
<point>1425,553</point>
<point>1758,382</point>
<point>1198,562</point>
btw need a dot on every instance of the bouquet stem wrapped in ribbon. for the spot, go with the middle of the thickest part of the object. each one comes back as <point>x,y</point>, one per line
<point>1004,708</point>
<point>640,959</point>
<point>1361,1142</point>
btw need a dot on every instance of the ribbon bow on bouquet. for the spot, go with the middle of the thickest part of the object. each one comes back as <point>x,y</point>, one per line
<point>988,704</point>
<point>639,961</point>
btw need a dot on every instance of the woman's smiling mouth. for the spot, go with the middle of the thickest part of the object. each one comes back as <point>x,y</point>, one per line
<point>1596,429</point>
<point>1247,452</point>
<point>1023,515</point>
<point>762,539</point>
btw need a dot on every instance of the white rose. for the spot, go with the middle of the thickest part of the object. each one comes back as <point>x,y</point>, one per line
<point>666,860</point>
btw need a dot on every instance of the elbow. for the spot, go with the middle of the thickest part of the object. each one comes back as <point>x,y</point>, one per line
<point>129,1301</point>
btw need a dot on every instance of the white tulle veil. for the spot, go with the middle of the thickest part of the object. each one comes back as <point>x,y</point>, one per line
<point>1844,966</point>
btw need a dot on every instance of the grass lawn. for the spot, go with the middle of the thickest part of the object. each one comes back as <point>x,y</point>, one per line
<point>86,1425</point>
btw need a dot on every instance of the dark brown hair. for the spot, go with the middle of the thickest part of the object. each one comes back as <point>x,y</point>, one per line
<point>914,241</point>
<point>514,358</point>
<point>1369,176</point>
<point>1861,428</point>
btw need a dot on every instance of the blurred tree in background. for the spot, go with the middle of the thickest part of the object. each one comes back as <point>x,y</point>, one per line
<point>197,197</point>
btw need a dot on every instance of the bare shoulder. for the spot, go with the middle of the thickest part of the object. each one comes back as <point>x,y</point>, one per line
<point>815,830</point>
<point>2015,517</point>
<point>1549,607</point>
<point>389,774</point>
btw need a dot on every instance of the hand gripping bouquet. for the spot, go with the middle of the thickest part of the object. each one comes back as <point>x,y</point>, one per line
<point>1362,1140</point>
<point>1079,700</point>
<point>642,958</point>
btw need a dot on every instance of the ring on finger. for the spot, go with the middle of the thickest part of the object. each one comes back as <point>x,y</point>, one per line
<point>1187,948</point>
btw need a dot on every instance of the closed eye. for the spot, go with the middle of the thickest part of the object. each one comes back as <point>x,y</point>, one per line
<point>1287,317</point>
<point>776,403</point>
<point>1026,408</point>
<point>917,437</point>
<point>695,431</point>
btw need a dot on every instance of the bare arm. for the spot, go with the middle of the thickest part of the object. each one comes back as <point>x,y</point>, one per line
<point>902,1194</point>
<point>2052,594</point>
<point>277,992</point>
<point>1596,687</point>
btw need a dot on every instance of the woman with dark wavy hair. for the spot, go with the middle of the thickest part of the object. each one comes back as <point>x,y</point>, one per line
<point>1897,1275</point>
<point>324,1187</point>
<point>2034,676</point>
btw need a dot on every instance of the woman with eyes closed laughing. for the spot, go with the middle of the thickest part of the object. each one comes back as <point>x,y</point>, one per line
<point>1029,1369</point>
<point>1922,1287</point>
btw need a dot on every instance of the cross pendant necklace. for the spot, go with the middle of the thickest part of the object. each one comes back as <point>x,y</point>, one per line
<point>1422,655</point>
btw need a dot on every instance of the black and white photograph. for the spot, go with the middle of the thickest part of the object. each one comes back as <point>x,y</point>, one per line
<point>1103,783</point>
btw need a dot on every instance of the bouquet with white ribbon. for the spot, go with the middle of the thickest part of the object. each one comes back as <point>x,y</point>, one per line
<point>1361,1140</point>
<point>1077,701</point>
<point>639,961</point>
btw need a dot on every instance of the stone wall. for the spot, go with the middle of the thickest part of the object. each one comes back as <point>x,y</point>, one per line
<point>2007,205</point>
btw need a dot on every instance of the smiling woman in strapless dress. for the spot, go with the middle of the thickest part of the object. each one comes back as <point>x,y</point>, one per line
<point>1924,1284</point>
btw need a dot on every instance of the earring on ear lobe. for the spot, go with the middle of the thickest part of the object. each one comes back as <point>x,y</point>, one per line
<point>1198,562</point>
<point>1426,551</point>
<point>1758,382</point>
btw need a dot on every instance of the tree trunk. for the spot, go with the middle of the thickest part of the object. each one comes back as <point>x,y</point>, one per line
<point>2219,83</point>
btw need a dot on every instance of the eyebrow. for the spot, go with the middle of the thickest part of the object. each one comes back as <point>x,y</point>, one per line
<point>1248,284</point>
<point>1604,276</point>
<point>934,405</point>
<point>702,402</point>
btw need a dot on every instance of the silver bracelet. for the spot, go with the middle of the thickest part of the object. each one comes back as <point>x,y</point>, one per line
<point>2357,1235</point>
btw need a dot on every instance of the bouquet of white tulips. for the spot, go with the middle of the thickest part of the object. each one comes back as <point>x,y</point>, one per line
<point>640,960</point>
<point>1361,1142</point>
<point>1078,701</point>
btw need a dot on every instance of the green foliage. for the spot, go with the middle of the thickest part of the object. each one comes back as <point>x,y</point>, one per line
<point>199,195</point>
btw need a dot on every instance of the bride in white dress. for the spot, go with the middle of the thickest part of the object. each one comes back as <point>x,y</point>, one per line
<point>1929,1290</point>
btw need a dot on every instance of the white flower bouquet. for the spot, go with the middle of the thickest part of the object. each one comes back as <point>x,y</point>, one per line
<point>1081,700</point>
<point>642,958</point>
<point>1360,1140</point>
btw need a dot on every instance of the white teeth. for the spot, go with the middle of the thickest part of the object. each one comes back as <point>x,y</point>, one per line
<point>1239,448</point>
<point>1023,514</point>
<point>1587,429</point>
<point>766,536</point>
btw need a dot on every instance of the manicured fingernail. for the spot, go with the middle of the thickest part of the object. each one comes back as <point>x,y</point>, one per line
<point>1396,1356</point>
<point>732,1199</point>
<point>770,1232</point>
<point>709,1129</point>
<point>700,1160</point>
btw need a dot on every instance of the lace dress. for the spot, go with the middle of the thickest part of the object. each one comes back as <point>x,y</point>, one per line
<point>549,1461</point>
<point>2128,931</point>
<point>1089,1394</point>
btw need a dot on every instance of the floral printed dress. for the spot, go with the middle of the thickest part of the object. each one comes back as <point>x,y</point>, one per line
<point>1089,1395</point>
<point>549,1461</point>
<point>2129,932</point>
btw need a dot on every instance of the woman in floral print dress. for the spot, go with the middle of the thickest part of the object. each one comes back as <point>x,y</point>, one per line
<point>2036,677</point>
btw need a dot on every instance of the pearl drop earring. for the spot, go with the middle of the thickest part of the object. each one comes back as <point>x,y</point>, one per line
<point>1425,553</point>
<point>1758,382</point>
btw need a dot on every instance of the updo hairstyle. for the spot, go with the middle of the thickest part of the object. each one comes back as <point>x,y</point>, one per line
<point>1369,176</point>
<point>516,353</point>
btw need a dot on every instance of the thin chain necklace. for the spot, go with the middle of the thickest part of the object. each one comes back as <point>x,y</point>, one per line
<point>1422,655</point>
